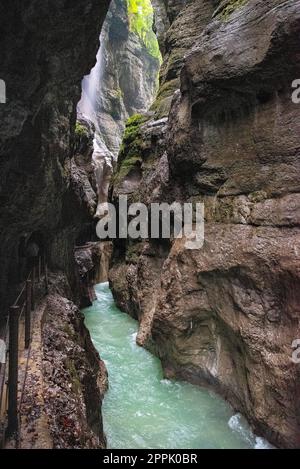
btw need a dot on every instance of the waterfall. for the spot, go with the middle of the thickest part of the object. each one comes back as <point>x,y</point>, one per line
<point>102,158</point>
<point>123,82</point>
<point>90,90</point>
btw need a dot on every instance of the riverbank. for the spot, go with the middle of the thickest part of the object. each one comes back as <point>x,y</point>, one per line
<point>142,409</point>
<point>66,379</point>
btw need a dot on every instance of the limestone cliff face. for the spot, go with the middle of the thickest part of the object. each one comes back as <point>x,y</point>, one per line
<point>91,255</point>
<point>223,131</point>
<point>47,187</point>
<point>66,379</point>
<point>129,77</point>
<point>46,49</point>
<point>75,378</point>
<point>123,83</point>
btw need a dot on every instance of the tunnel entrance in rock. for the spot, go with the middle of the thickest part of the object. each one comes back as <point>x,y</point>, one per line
<point>31,247</point>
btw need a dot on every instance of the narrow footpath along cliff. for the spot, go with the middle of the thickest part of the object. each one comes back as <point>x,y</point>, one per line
<point>46,193</point>
<point>223,131</point>
<point>66,379</point>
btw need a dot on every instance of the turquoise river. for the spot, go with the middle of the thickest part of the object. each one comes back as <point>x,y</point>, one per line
<point>142,409</point>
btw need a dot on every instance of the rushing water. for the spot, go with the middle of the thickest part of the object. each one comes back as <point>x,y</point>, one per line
<point>144,410</point>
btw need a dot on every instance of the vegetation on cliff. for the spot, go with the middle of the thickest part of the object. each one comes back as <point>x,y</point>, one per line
<point>130,151</point>
<point>140,14</point>
<point>230,7</point>
<point>80,130</point>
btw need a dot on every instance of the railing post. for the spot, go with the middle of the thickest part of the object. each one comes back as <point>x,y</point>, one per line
<point>28,314</point>
<point>39,268</point>
<point>32,288</point>
<point>46,279</point>
<point>13,370</point>
<point>43,263</point>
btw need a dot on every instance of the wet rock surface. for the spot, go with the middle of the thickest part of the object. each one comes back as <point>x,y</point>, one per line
<point>83,179</point>
<point>224,315</point>
<point>48,187</point>
<point>65,379</point>
<point>75,378</point>
<point>92,261</point>
<point>125,81</point>
<point>46,49</point>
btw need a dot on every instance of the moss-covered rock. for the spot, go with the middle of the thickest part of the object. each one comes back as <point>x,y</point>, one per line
<point>130,155</point>
<point>132,129</point>
<point>140,13</point>
<point>125,168</point>
<point>81,131</point>
<point>229,7</point>
<point>162,103</point>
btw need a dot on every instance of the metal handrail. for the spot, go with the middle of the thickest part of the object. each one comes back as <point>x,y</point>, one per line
<point>19,307</point>
<point>20,294</point>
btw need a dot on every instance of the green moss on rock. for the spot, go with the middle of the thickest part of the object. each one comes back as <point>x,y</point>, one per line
<point>140,14</point>
<point>162,103</point>
<point>125,168</point>
<point>80,130</point>
<point>132,128</point>
<point>230,7</point>
<point>131,149</point>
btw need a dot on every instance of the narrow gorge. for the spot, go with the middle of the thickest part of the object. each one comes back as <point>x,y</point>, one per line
<point>142,341</point>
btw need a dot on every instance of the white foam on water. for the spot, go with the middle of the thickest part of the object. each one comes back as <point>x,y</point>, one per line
<point>133,338</point>
<point>262,443</point>
<point>239,424</point>
<point>166,382</point>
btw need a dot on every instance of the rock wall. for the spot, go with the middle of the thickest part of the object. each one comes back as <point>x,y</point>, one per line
<point>128,79</point>
<point>75,379</point>
<point>46,49</point>
<point>123,83</point>
<point>91,255</point>
<point>66,379</point>
<point>92,262</point>
<point>223,131</point>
